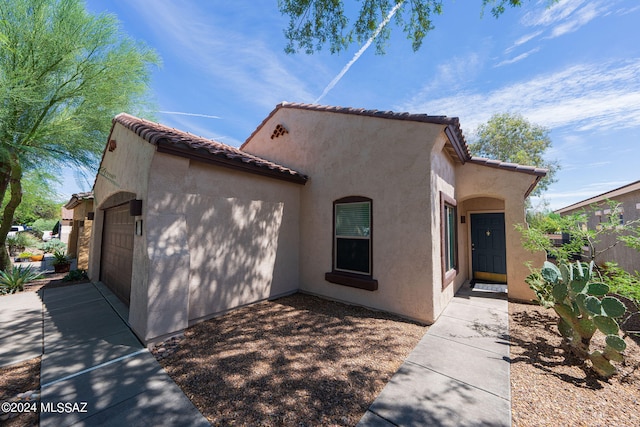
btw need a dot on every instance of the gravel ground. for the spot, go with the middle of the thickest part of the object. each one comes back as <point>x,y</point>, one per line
<point>549,388</point>
<point>302,360</point>
<point>14,381</point>
<point>296,361</point>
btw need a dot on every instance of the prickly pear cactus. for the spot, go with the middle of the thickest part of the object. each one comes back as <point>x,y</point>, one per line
<point>584,308</point>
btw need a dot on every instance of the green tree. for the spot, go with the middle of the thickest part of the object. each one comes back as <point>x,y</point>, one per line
<point>315,23</point>
<point>38,201</point>
<point>64,73</point>
<point>511,138</point>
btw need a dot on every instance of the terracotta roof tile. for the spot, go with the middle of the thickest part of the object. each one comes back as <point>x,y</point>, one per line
<point>178,142</point>
<point>532,170</point>
<point>453,123</point>
<point>76,198</point>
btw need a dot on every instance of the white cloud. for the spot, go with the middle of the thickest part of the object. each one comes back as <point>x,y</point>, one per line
<point>587,96</point>
<point>551,15</point>
<point>451,76</point>
<point>582,17</point>
<point>517,58</point>
<point>524,39</point>
<point>217,47</point>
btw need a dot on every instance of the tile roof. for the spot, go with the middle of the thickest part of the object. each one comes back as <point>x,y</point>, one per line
<point>532,170</point>
<point>76,198</point>
<point>173,141</point>
<point>458,147</point>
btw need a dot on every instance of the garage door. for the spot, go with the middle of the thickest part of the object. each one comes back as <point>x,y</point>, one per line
<point>117,251</point>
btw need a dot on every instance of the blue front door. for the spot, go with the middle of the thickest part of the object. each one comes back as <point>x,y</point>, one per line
<point>488,247</point>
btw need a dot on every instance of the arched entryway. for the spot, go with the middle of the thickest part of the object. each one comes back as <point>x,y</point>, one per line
<point>485,239</point>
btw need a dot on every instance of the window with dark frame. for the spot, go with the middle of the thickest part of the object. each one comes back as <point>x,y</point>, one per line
<point>352,243</point>
<point>353,237</point>
<point>449,239</point>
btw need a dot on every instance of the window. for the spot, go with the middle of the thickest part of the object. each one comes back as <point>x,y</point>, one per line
<point>449,239</point>
<point>352,248</point>
<point>353,237</point>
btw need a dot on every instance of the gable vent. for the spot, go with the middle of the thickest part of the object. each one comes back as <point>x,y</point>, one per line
<point>279,131</point>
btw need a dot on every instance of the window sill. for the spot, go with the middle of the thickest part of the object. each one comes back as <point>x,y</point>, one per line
<point>447,278</point>
<point>352,280</point>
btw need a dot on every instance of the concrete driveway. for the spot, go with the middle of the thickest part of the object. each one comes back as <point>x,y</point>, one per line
<point>94,370</point>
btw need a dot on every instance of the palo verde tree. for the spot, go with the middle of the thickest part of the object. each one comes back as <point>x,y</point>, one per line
<point>38,201</point>
<point>511,138</point>
<point>64,73</point>
<point>315,23</point>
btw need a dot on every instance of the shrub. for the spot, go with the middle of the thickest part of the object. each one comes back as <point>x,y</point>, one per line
<point>52,246</point>
<point>44,225</point>
<point>20,241</point>
<point>583,308</point>
<point>13,281</point>
<point>622,282</point>
<point>74,275</point>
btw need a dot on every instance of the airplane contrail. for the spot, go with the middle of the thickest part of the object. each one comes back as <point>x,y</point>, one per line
<point>206,116</point>
<point>359,53</point>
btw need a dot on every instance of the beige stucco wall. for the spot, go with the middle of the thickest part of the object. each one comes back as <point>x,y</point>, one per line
<point>627,258</point>
<point>217,239</point>
<point>126,169</point>
<point>507,188</point>
<point>80,237</point>
<point>443,180</point>
<point>213,238</point>
<point>388,161</point>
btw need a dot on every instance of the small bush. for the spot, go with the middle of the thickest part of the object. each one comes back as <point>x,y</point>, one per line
<point>52,246</point>
<point>21,240</point>
<point>622,282</point>
<point>75,275</point>
<point>13,281</point>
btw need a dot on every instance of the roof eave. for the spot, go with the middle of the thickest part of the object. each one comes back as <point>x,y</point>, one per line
<point>218,160</point>
<point>458,146</point>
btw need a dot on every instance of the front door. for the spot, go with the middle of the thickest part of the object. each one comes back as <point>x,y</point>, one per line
<point>488,247</point>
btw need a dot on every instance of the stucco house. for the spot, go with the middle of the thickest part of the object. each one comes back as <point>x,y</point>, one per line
<point>81,206</point>
<point>381,209</point>
<point>598,210</point>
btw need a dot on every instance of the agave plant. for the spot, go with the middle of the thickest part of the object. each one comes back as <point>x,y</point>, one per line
<point>14,280</point>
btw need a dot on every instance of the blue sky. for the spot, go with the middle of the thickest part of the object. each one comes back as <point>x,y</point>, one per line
<point>574,68</point>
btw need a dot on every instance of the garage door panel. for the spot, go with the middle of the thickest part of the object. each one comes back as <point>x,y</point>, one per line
<point>117,251</point>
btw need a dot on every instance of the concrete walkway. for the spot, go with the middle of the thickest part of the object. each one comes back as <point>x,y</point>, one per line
<point>458,375</point>
<point>92,363</point>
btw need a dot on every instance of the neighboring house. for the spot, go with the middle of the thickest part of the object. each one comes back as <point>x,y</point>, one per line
<point>379,209</point>
<point>66,225</point>
<point>598,210</point>
<point>81,204</point>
